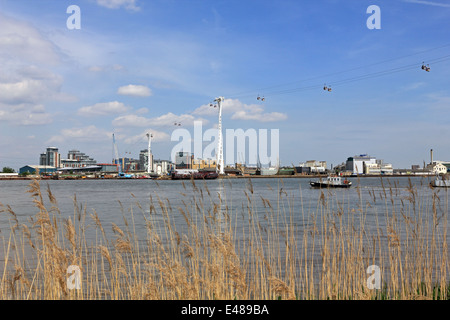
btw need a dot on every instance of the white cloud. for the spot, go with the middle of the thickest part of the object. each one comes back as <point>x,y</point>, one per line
<point>169,119</point>
<point>114,67</point>
<point>257,116</point>
<point>241,111</point>
<point>23,90</point>
<point>32,119</point>
<point>229,106</point>
<point>25,115</point>
<point>205,110</point>
<point>116,4</point>
<point>131,120</point>
<point>26,81</point>
<point>30,90</point>
<point>135,90</point>
<point>158,136</point>
<point>166,120</point>
<point>89,133</point>
<point>22,43</point>
<point>142,111</point>
<point>103,108</point>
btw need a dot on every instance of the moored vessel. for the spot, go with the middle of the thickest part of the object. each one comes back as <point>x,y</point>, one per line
<point>193,174</point>
<point>331,182</point>
<point>441,181</point>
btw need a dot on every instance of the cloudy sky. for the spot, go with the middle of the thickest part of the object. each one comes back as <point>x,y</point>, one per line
<point>136,66</point>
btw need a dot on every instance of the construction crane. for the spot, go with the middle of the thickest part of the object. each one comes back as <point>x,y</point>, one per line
<point>149,153</point>
<point>116,155</point>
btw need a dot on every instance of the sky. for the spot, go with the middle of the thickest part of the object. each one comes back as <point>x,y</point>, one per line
<point>134,66</point>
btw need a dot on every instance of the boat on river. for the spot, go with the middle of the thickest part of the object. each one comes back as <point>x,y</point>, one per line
<point>440,181</point>
<point>331,182</point>
<point>193,174</point>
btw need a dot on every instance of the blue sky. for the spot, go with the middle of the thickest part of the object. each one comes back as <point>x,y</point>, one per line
<point>138,65</point>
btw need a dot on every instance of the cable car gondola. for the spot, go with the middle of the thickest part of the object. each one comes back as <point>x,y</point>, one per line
<point>426,67</point>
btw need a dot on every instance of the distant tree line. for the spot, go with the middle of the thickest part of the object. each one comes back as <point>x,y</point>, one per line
<point>8,170</point>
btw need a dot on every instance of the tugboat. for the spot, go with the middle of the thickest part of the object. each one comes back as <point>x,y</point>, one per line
<point>331,182</point>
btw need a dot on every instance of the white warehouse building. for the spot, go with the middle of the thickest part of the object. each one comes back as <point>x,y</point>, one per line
<point>365,164</point>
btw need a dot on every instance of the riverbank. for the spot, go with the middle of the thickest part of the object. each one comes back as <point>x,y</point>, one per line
<point>324,176</point>
<point>296,176</point>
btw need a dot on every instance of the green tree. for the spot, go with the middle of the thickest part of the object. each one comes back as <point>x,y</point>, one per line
<point>8,170</point>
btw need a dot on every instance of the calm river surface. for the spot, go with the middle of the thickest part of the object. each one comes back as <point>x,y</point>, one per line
<point>112,199</point>
<point>371,200</point>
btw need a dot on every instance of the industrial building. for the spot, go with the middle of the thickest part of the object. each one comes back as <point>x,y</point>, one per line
<point>77,159</point>
<point>365,164</point>
<point>100,167</point>
<point>302,170</point>
<point>312,166</point>
<point>437,167</point>
<point>31,169</point>
<point>50,157</point>
<point>356,164</point>
<point>203,164</point>
<point>183,160</point>
<point>144,163</point>
<point>379,168</point>
<point>128,164</point>
<point>163,167</point>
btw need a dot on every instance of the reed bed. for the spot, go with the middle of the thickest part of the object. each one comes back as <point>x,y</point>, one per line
<point>211,248</point>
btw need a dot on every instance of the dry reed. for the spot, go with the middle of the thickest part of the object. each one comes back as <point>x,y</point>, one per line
<point>226,251</point>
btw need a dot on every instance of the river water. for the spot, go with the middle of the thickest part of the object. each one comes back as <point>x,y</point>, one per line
<point>112,198</point>
<point>120,202</point>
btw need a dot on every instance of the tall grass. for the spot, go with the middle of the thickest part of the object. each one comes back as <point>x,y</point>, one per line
<point>211,248</point>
